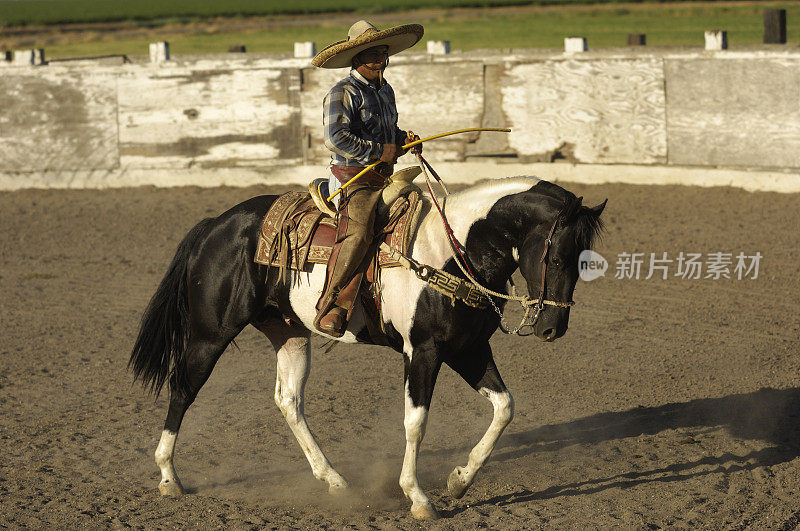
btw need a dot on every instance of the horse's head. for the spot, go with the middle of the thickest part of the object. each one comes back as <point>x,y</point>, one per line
<point>548,259</point>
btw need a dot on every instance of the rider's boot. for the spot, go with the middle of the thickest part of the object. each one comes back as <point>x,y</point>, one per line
<point>343,279</point>
<point>334,320</point>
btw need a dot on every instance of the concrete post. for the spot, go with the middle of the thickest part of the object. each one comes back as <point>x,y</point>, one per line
<point>305,49</point>
<point>716,40</point>
<point>159,52</point>
<point>438,47</point>
<point>29,57</point>
<point>637,39</point>
<point>774,26</point>
<point>575,45</point>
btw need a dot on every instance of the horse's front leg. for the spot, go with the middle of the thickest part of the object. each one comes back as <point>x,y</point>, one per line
<point>421,369</point>
<point>292,346</point>
<point>478,369</point>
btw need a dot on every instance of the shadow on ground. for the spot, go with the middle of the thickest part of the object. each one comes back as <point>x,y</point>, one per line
<point>767,414</point>
<point>770,415</point>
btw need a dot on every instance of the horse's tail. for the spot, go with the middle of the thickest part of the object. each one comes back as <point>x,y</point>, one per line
<point>165,326</point>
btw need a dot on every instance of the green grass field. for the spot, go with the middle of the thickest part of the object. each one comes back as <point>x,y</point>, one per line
<point>663,25</point>
<point>22,12</point>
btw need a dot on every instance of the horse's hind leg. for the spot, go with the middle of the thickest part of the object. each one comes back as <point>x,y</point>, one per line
<point>479,370</point>
<point>200,356</point>
<point>293,349</point>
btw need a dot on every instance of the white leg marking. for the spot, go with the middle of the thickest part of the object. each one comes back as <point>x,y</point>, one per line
<point>170,484</point>
<point>294,366</point>
<point>462,477</point>
<point>415,420</point>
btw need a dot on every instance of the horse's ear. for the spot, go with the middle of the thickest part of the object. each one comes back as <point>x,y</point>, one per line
<point>597,210</point>
<point>572,209</point>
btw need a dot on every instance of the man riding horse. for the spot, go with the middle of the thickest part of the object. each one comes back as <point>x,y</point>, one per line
<point>216,285</point>
<point>360,121</point>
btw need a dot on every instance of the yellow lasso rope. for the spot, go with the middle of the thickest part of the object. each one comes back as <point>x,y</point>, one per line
<point>412,144</point>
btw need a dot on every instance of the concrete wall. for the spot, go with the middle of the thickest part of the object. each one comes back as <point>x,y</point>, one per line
<point>240,119</point>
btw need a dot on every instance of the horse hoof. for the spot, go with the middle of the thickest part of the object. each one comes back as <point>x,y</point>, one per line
<point>173,489</point>
<point>424,512</point>
<point>456,486</point>
<point>338,488</point>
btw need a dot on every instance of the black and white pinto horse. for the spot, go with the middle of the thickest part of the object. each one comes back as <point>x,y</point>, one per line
<point>213,289</point>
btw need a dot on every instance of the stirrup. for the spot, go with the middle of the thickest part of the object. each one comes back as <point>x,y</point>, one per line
<point>318,188</point>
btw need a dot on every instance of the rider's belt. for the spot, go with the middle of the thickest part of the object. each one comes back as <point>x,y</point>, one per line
<point>376,176</point>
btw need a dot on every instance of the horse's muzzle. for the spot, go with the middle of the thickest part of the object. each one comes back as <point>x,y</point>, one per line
<point>551,333</point>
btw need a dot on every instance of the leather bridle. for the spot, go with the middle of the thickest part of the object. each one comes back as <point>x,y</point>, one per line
<point>543,260</point>
<point>459,256</point>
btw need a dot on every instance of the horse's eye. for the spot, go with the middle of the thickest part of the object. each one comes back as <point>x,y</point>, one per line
<point>556,262</point>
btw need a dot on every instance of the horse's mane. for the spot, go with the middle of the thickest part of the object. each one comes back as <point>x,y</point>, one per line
<point>588,227</point>
<point>478,199</point>
<point>587,224</point>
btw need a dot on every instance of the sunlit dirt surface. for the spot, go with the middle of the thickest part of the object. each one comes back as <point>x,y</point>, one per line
<point>668,403</point>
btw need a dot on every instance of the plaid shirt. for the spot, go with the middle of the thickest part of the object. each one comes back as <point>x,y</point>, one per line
<point>358,119</point>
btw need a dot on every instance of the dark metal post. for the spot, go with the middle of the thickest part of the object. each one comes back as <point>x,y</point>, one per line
<point>774,26</point>
<point>637,39</point>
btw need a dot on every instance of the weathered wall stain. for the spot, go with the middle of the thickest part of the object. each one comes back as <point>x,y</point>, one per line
<point>193,77</point>
<point>193,147</point>
<point>493,115</point>
<point>565,152</point>
<point>189,147</point>
<point>57,122</point>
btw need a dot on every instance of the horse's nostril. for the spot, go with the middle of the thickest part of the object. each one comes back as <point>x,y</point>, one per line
<point>549,333</point>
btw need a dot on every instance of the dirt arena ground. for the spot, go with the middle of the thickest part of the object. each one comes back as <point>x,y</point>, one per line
<point>669,403</point>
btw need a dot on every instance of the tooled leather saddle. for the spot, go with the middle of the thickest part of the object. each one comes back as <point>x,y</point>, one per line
<point>296,234</point>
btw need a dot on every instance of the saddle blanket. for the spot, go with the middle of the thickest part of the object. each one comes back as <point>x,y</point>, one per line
<point>295,233</point>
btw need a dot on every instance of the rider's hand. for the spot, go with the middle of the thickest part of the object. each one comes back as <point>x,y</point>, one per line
<point>390,153</point>
<point>410,137</point>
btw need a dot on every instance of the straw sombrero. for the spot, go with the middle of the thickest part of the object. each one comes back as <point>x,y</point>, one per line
<point>363,35</point>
